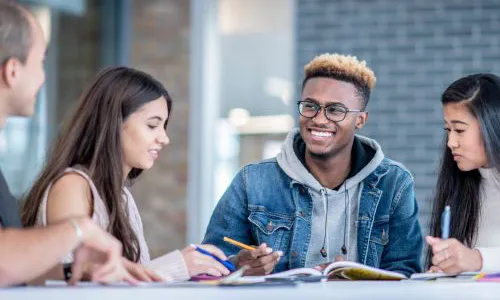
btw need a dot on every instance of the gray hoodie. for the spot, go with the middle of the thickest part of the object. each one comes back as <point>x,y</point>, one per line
<point>335,209</point>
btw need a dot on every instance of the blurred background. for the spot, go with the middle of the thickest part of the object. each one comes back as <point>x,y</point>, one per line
<point>234,68</point>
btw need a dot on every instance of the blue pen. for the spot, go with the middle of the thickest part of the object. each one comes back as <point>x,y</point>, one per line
<point>445,223</point>
<point>229,265</point>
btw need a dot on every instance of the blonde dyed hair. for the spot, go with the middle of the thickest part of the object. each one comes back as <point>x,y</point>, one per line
<point>343,66</point>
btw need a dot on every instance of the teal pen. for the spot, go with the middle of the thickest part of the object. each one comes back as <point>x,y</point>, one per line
<point>445,223</point>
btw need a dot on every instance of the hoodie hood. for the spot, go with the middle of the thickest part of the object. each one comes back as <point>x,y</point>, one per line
<point>366,156</point>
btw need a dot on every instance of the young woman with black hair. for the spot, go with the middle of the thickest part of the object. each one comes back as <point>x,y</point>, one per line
<point>469,178</point>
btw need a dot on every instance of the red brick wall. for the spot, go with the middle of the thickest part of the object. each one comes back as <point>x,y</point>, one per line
<point>161,47</point>
<point>78,55</point>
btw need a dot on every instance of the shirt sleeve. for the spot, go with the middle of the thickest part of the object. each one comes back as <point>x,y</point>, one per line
<point>491,258</point>
<point>171,265</point>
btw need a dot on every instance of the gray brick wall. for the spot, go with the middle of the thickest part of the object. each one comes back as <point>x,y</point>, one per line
<point>416,49</point>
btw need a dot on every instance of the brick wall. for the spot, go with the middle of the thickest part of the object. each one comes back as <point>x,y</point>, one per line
<point>416,49</point>
<point>160,46</point>
<point>78,55</point>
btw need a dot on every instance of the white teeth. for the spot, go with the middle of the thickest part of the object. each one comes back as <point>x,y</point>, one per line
<point>321,133</point>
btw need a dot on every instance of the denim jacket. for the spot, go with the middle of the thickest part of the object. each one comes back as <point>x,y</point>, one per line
<point>264,205</point>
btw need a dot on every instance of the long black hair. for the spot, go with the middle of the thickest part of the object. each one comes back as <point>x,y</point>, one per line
<point>461,189</point>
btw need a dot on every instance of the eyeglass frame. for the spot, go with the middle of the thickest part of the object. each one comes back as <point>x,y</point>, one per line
<point>324,107</point>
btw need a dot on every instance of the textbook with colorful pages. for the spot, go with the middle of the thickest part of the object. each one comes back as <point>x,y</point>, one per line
<point>342,270</point>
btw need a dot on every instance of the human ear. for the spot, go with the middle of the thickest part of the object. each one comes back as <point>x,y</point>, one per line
<point>361,119</point>
<point>9,71</point>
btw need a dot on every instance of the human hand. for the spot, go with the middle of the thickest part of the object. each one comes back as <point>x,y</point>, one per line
<point>99,257</point>
<point>199,263</point>
<point>261,260</point>
<point>142,273</point>
<point>434,269</point>
<point>452,257</point>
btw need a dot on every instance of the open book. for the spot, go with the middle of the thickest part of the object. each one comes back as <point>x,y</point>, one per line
<point>345,270</point>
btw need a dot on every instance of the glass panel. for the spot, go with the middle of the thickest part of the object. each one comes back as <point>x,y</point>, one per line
<point>256,90</point>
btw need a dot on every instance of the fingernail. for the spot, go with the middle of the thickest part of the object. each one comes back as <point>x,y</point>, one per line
<point>269,250</point>
<point>280,253</point>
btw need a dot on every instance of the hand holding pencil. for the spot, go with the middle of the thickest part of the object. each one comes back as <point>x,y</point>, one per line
<point>261,259</point>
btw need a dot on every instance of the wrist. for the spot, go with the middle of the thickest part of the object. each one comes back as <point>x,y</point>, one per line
<point>478,260</point>
<point>78,230</point>
<point>79,227</point>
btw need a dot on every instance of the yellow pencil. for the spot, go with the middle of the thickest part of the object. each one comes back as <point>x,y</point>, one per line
<point>238,244</point>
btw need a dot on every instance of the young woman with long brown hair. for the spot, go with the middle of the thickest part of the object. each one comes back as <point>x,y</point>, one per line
<point>116,132</point>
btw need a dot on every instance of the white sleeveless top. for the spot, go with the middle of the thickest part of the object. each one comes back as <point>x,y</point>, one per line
<point>100,214</point>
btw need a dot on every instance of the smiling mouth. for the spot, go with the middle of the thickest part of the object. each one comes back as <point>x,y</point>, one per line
<point>321,134</point>
<point>154,153</point>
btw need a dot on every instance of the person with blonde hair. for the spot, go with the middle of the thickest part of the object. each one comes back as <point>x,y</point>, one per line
<point>330,194</point>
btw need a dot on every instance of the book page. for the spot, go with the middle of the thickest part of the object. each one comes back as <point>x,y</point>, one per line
<point>292,272</point>
<point>357,271</point>
<point>365,274</point>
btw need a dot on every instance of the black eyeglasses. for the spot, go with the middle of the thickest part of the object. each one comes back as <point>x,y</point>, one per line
<point>334,112</point>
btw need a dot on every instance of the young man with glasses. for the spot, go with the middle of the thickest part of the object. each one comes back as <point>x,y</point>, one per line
<point>330,194</point>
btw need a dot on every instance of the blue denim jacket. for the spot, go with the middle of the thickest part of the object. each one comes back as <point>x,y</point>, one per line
<point>264,205</point>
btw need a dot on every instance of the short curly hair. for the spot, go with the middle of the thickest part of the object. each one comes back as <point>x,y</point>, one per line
<point>345,68</point>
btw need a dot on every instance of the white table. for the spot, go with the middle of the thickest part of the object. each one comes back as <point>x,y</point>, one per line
<point>327,290</point>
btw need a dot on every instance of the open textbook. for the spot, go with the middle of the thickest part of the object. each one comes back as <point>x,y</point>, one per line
<point>345,270</point>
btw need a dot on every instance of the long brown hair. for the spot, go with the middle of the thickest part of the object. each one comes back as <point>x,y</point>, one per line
<point>91,138</point>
